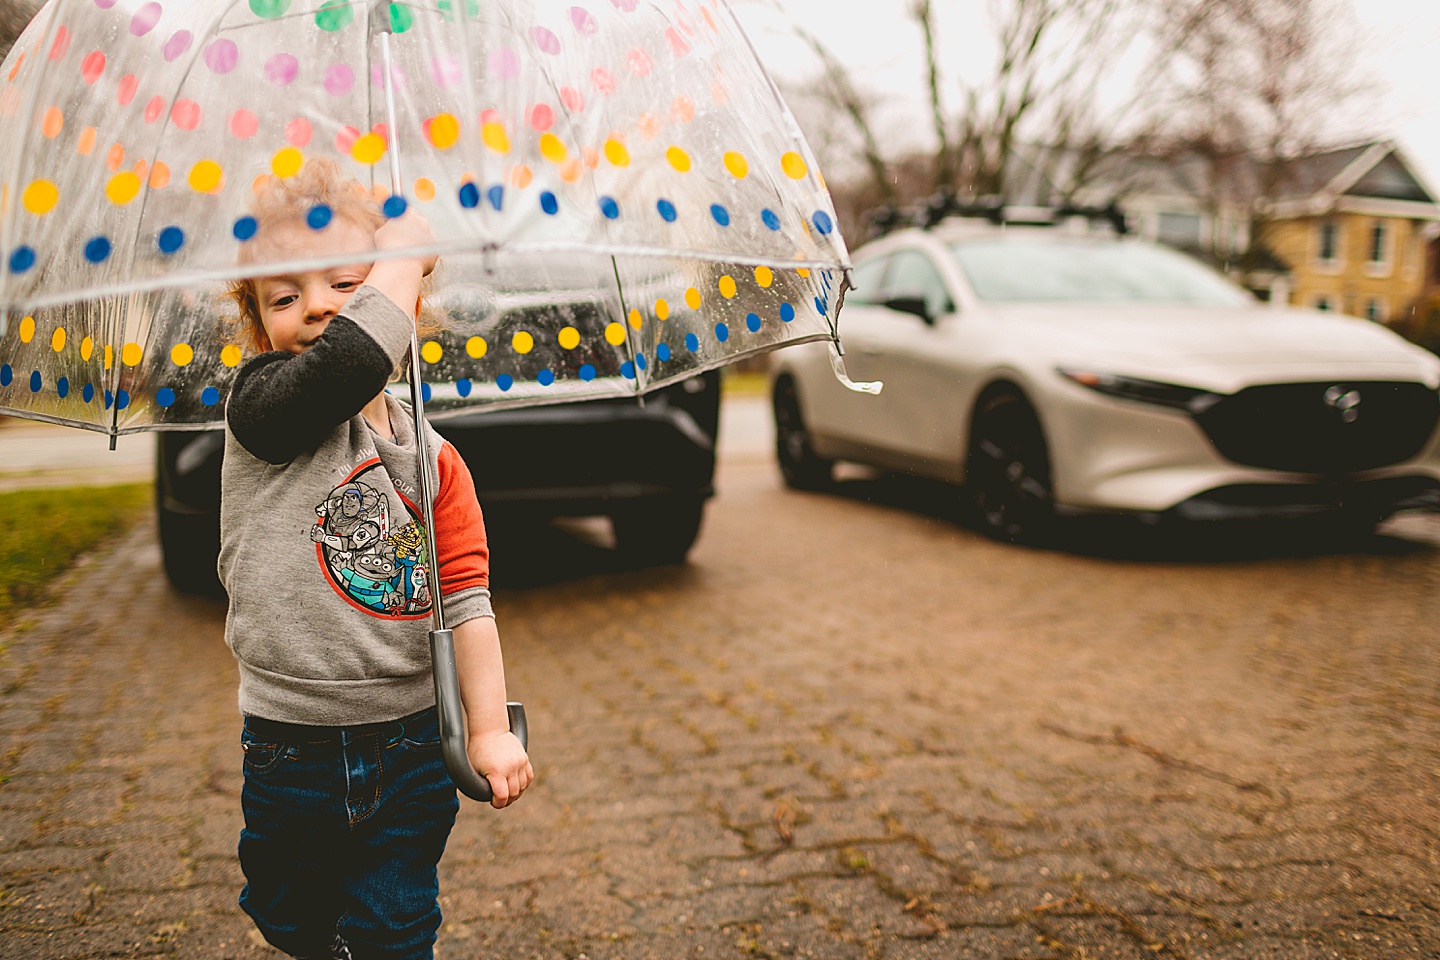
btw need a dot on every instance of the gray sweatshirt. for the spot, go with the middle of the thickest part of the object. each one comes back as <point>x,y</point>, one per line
<point>322,545</point>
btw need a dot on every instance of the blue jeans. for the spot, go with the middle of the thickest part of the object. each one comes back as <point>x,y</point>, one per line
<point>344,828</point>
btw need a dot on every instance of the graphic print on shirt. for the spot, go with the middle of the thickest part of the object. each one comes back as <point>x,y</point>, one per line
<point>377,566</point>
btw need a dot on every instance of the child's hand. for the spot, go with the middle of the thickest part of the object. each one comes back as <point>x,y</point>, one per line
<point>407,230</point>
<point>501,759</point>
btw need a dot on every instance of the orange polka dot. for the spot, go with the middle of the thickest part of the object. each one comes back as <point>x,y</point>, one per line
<point>683,109</point>
<point>52,123</point>
<point>160,175</point>
<point>590,156</point>
<point>425,189</point>
<point>521,176</point>
<point>115,157</point>
<point>85,145</point>
<point>571,170</point>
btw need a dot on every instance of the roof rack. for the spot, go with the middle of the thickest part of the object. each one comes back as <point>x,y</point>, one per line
<point>946,204</point>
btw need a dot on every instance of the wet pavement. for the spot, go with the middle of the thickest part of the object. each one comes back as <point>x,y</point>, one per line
<point>849,727</point>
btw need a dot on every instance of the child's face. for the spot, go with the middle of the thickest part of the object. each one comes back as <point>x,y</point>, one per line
<point>296,308</point>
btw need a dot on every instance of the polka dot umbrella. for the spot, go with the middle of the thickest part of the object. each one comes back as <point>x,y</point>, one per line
<point>619,195</point>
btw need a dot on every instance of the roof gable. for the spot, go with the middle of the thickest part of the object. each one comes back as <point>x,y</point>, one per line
<point>1390,179</point>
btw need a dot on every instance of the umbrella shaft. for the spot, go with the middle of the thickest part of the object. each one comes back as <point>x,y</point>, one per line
<point>387,73</point>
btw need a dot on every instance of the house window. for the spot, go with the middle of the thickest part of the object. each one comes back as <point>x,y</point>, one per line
<point>1378,238</point>
<point>1329,246</point>
<point>1323,302</point>
<point>1180,229</point>
<point>1375,309</point>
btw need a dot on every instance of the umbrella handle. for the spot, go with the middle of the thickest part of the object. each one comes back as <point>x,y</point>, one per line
<point>452,719</point>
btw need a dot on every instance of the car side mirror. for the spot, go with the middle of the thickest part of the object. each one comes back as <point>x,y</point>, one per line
<point>914,305</point>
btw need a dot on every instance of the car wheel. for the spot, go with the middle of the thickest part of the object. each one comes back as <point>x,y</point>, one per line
<point>189,548</point>
<point>659,532</point>
<point>1009,470</point>
<point>799,466</point>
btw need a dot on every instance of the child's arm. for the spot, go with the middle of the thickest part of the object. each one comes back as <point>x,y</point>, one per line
<point>493,750</point>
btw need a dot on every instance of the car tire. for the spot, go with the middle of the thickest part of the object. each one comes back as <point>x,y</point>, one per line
<point>659,532</point>
<point>189,548</point>
<point>800,467</point>
<point>1008,472</point>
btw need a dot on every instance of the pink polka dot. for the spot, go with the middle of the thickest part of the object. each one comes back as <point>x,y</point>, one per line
<point>542,118</point>
<point>61,46</point>
<point>154,109</point>
<point>346,138</point>
<point>145,19</point>
<point>298,132</point>
<point>281,69</point>
<point>678,46</point>
<point>584,23</point>
<point>625,6</point>
<point>104,4</point>
<point>178,43</point>
<point>505,64</point>
<point>573,99</point>
<point>397,76</point>
<point>92,66</point>
<point>489,116</point>
<point>185,114</point>
<point>446,71</point>
<point>221,56</point>
<point>639,62</point>
<point>603,80</point>
<point>339,79</point>
<point>126,91</point>
<point>546,41</point>
<point>243,124</point>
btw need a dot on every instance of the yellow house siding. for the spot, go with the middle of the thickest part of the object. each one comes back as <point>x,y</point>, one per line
<point>1351,281</point>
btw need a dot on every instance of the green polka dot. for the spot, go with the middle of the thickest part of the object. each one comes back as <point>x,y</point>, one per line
<point>269,9</point>
<point>447,9</point>
<point>334,15</point>
<point>401,19</point>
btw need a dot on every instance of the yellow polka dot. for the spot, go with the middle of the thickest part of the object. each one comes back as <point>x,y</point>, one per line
<point>131,354</point>
<point>444,130</point>
<point>616,153</point>
<point>205,176</point>
<point>493,135</point>
<point>57,339</point>
<point>287,162</point>
<point>476,347</point>
<point>794,165</point>
<point>727,287</point>
<point>109,356</point>
<point>551,148</point>
<point>804,272</point>
<point>122,188</point>
<point>181,354</point>
<point>615,334</point>
<point>569,338</point>
<point>692,298</point>
<point>369,148</point>
<point>40,197</point>
<point>736,164</point>
<point>431,351</point>
<point>679,159</point>
<point>636,321</point>
<point>764,276</point>
<point>662,309</point>
<point>27,329</point>
<point>87,349</point>
<point>424,189</point>
<point>230,355</point>
<point>522,342</point>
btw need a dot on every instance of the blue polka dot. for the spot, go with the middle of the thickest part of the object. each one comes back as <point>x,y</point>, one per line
<point>319,216</point>
<point>548,203</point>
<point>722,332</point>
<point>463,387</point>
<point>496,196</point>
<point>35,382</point>
<point>770,219</point>
<point>122,400</point>
<point>6,375</point>
<point>822,222</point>
<point>62,387</point>
<point>424,392</point>
<point>662,352</point>
<point>640,360</point>
<point>787,312</point>
<point>469,196</point>
<point>692,342</point>
<point>22,259</point>
<point>97,249</point>
<point>587,372</point>
<point>109,399</point>
<point>245,228</point>
<point>627,370</point>
<point>170,240</point>
<point>87,393</point>
<point>394,206</point>
<point>165,396</point>
<point>609,207</point>
<point>752,321</point>
<point>545,377</point>
<point>820,306</point>
<point>721,215</point>
<point>666,210</point>
<point>209,396</point>
<point>504,381</point>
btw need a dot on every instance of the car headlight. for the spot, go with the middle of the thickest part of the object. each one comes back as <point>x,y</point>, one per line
<point>1191,399</point>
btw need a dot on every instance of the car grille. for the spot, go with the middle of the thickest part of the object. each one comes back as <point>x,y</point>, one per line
<point>1334,427</point>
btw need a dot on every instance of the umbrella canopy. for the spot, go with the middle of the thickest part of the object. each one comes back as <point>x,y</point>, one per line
<point>619,195</point>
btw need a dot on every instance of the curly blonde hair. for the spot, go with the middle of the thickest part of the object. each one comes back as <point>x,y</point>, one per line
<point>278,200</point>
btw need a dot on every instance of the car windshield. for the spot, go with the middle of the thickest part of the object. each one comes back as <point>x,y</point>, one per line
<point>1011,270</point>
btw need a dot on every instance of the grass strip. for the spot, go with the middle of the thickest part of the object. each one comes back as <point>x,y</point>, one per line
<point>43,531</point>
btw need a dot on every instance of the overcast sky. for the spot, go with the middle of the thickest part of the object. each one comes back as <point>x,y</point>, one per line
<point>884,49</point>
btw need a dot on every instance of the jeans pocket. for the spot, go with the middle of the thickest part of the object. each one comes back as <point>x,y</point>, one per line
<point>260,755</point>
<point>421,732</point>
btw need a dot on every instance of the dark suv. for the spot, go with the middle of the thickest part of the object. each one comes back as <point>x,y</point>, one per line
<point>647,465</point>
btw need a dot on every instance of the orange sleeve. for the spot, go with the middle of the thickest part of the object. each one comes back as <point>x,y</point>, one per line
<point>460,537</point>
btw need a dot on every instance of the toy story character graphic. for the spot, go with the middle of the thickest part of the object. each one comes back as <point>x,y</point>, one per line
<point>378,568</point>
